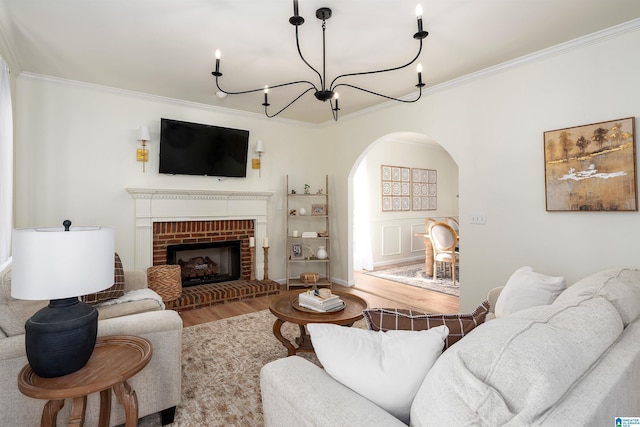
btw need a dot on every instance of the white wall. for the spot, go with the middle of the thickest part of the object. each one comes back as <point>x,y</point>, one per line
<point>493,128</point>
<point>75,155</point>
<point>392,232</point>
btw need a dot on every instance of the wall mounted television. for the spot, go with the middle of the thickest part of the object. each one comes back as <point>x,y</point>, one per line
<point>198,149</point>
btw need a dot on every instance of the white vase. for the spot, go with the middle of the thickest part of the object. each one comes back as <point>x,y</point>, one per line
<point>302,211</point>
<point>322,253</point>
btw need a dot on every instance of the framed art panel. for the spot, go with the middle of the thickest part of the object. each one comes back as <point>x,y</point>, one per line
<point>396,184</point>
<point>591,167</point>
<point>424,193</point>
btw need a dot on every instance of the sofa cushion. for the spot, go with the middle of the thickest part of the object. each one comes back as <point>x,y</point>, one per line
<point>14,314</point>
<point>512,369</point>
<point>115,291</point>
<point>527,288</point>
<point>395,319</point>
<point>620,287</point>
<point>385,367</point>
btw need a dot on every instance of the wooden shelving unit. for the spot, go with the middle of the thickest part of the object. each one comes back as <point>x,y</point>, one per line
<point>314,220</point>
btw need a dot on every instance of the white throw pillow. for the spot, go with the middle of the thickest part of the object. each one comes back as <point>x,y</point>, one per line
<point>385,367</point>
<point>526,288</point>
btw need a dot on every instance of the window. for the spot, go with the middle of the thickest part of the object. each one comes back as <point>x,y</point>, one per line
<point>6,163</point>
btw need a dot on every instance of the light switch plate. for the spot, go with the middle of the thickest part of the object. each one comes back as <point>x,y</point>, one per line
<point>478,218</point>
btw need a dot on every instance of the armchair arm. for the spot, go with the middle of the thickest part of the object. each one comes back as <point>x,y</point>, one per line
<point>134,279</point>
<point>492,297</point>
<point>296,393</point>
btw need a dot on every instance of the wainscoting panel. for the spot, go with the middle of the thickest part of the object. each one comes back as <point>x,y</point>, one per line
<point>391,240</point>
<point>417,243</point>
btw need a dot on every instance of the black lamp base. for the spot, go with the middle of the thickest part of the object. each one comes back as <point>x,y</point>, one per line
<point>60,337</point>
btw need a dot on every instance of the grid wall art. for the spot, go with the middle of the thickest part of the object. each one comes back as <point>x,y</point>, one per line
<point>424,189</point>
<point>405,189</point>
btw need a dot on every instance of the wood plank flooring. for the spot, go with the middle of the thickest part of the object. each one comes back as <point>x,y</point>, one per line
<point>377,292</point>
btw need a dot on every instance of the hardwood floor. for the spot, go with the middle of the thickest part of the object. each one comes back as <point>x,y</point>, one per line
<point>377,292</point>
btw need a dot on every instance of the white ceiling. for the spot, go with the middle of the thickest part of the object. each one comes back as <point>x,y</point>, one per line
<point>166,47</point>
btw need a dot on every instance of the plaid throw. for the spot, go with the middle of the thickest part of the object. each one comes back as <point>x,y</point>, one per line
<point>394,319</point>
<point>115,291</point>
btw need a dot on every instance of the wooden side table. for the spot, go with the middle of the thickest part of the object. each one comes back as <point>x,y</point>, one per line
<point>115,359</point>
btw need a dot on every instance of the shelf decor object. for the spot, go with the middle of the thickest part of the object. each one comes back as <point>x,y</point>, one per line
<point>297,251</point>
<point>61,264</point>
<point>591,167</point>
<point>325,91</point>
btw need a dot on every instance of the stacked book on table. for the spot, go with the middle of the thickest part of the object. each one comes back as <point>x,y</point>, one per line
<point>318,303</point>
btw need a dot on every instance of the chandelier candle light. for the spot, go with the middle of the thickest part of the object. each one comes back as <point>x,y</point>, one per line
<point>326,92</point>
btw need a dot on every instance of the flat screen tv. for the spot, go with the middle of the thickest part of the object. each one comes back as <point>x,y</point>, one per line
<point>197,149</point>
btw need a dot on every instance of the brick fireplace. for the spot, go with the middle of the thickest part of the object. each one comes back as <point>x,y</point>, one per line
<point>203,232</point>
<point>197,215</point>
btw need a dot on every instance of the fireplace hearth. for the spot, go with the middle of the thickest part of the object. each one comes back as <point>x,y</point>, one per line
<point>210,262</point>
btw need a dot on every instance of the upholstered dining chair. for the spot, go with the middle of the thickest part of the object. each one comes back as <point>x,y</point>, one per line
<point>453,223</point>
<point>427,223</point>
<point>444,240</point>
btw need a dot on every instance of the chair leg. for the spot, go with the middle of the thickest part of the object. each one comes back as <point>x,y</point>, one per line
<point>453,272</point>
<point>435,270</point>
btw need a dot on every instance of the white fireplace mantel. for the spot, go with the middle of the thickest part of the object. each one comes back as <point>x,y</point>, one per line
<point>162,205</point>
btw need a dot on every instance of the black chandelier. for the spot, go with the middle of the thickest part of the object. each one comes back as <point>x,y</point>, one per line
<point>327,93</point>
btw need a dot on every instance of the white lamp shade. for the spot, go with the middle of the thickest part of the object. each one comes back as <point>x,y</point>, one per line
<point>259,146</point>
<point>144,134</point>
<point>50,263</point>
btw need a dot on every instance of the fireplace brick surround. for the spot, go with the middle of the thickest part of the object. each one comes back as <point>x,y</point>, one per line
<point>180,232</point>
<point>164,217</point>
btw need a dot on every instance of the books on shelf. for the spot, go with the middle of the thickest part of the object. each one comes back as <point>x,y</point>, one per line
<point>309,234</point>
<point>310,300</point>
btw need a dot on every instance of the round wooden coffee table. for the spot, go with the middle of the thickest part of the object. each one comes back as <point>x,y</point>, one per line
<point>282,307</point>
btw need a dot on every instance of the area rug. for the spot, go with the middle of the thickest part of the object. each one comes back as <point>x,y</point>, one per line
<point>415,275</point>
<point>221,364</point>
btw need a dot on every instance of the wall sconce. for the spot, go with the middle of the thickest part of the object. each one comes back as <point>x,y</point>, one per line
<point>255,163</point>
<point>143,154</point>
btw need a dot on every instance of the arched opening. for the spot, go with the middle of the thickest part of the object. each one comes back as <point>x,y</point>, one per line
<point>380,236</point>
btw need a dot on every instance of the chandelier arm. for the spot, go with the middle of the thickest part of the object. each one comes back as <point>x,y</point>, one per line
<point>380,94</point>
<point>262,88</point>
<point>305,61</point>
<point>332,87</point>
<point>286,106</point>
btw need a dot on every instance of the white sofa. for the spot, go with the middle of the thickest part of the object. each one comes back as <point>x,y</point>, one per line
<point>157,386</point>
<point>573,362</point>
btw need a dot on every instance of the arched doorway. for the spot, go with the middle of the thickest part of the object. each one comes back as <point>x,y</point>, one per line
<point>385,237</point>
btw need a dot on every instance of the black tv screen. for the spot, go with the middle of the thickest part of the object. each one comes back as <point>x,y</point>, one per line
<point>197,149</point>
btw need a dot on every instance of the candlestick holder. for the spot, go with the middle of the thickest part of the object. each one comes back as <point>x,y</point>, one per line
<point>266,263</point>
<point>252,274</point>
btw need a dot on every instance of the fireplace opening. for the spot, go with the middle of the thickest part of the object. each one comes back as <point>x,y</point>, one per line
<point>202,263</point>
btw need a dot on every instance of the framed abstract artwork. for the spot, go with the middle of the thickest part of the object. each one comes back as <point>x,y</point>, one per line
<point>591,167</point>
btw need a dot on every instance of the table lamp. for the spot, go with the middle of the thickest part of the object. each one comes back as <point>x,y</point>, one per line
<point>60,264</point>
